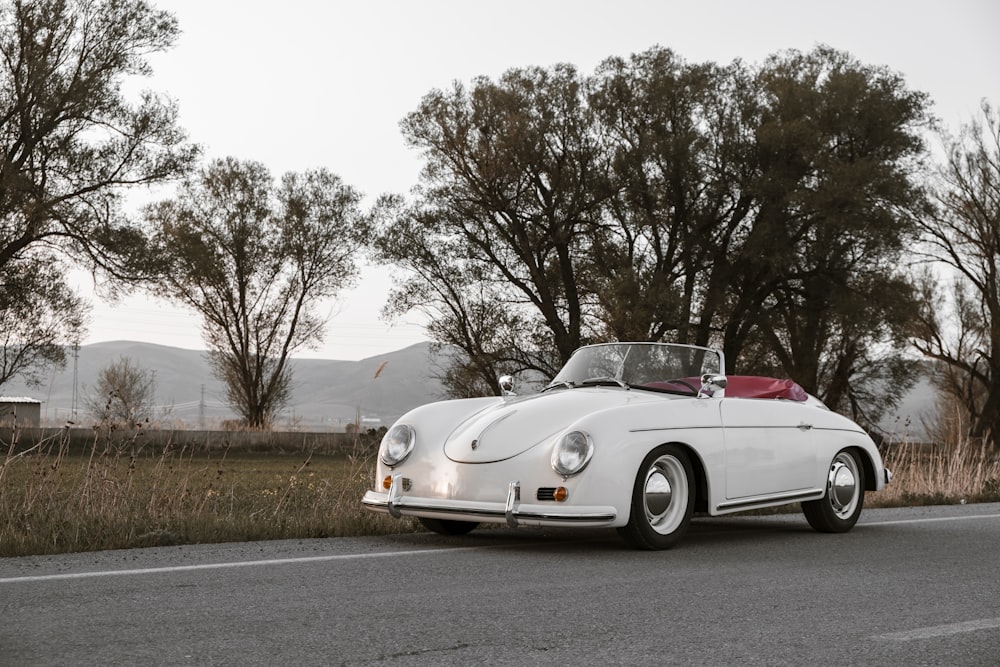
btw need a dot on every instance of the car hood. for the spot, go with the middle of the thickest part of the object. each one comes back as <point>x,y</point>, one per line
<point>504,430</point>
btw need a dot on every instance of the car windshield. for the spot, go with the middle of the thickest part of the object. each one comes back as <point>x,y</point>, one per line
<point>656,366</point>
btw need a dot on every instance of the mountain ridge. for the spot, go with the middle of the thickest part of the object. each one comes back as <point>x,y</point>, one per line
<point>327,394</point>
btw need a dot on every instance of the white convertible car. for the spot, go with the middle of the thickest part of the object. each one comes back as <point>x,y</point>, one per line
<point>632,435</point>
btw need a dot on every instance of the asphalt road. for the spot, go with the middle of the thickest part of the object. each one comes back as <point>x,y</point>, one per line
<point>917,586</point>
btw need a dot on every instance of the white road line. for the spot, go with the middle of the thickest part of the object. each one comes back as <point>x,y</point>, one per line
<point>381,554</point>
<point>220,566</point>
<point>942,630</point>
<point>930,520</point>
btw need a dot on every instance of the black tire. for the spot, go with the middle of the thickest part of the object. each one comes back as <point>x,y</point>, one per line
<point>447,527</point>
<point>839,508</point>
<point>662,499</point>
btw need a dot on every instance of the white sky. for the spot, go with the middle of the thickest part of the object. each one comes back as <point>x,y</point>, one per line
<point>300,84</point>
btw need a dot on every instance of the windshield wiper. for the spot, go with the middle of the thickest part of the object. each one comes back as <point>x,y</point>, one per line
<point>603,381</point>
<point>562,384</point>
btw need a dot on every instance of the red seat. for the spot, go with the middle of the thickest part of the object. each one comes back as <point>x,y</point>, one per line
<point>754,386</point>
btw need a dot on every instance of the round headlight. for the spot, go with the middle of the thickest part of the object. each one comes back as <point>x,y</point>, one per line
<point>572,453</point>
<point>397,444</point>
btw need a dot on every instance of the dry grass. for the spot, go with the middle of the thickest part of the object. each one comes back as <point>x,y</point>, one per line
<point>117,493</point>
<point>955,469</point>
<point>958,472</point>
<point>120,495</point>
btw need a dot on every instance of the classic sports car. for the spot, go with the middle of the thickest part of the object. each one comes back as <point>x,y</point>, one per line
<point>632,435</point>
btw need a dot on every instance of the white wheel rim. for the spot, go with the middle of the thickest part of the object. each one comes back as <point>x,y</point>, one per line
<point>665,494</point>
<point>842,485</point>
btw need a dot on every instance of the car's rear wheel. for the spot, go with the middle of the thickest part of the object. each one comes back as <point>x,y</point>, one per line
<point>662,499</point>
<point>839,508</point>
<point>448,527</point>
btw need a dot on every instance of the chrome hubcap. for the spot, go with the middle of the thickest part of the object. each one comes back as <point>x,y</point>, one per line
<point>665,494</point>
<point>842,485</point>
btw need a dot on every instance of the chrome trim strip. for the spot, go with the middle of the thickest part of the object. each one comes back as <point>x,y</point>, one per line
<point>807,494</point>
<point>674,428</point>
<point>493,424</point>
<point>735,427</point>
<point>545,516</point>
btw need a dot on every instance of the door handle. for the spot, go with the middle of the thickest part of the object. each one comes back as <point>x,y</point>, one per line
<point>804,426</point>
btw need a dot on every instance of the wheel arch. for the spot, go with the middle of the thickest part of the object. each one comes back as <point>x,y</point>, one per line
<point>700,476</point>
<point>867,465</point>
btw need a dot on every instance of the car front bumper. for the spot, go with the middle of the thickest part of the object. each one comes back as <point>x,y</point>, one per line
<point>512,511</point>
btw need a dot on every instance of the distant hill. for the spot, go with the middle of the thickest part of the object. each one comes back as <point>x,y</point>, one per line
<point>327,394</point>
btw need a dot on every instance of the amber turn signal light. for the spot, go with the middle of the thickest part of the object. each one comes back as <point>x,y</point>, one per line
<point>561,494</point>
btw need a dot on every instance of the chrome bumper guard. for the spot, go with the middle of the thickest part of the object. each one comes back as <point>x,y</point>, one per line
<point>513,501</point>
<point>512,511</point>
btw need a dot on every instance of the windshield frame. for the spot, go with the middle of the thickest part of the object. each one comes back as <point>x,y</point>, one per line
<point>641,365</point>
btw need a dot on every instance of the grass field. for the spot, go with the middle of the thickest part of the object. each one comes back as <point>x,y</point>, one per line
<point>56,500</point>
<point>114,494</point>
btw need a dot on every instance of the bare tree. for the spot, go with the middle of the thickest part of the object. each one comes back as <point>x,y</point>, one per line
<point>123,394</point>
<point>254,260</point>
<point>963,233</point>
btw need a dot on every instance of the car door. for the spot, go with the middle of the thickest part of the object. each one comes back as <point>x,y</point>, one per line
<point>769,446</point>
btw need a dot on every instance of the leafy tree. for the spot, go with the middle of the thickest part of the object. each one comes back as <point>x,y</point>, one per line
<point>680,148</point>
<point>512,183</point>
<point>760,209</point>
<point>123,395</point>
<point>254,259</point>
<point>38,314</point>
<point>838,145</point>
<point>72,143</point>
<point>466,315</point>
<point>963,233</point>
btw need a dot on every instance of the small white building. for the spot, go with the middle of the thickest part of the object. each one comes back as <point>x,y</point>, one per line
<point>20,410</point>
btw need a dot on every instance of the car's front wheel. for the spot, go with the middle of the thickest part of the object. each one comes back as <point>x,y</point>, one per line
<point>448,527</point>
<point>839,508</point>
<point>662,499</point>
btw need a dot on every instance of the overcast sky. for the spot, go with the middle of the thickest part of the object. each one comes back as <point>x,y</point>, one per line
<point>300,84</point>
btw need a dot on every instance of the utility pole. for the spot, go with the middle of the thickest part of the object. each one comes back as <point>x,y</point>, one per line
<point>76,379</point>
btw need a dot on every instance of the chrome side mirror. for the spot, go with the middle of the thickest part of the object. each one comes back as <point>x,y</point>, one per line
<point>507,385</point>
<point>711,383</point>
